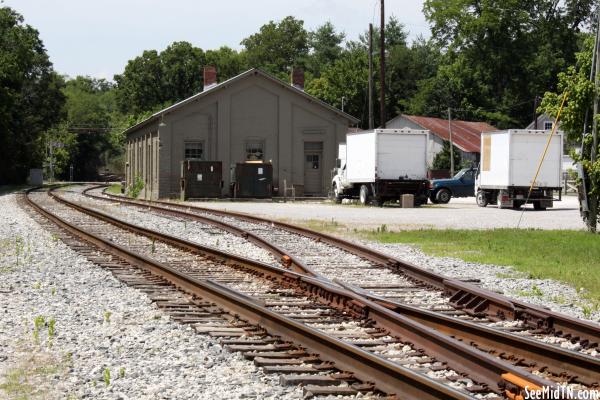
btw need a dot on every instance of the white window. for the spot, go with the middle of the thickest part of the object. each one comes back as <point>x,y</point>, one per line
<point>547,126</point>
<point>255,150</point>
<point>194,151</point>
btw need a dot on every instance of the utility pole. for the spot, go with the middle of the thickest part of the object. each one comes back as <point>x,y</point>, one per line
<point>371,117</point>
<point>535,106</point>
<point>593,199</point>
<point>451,144</point>
<point>382,66</point>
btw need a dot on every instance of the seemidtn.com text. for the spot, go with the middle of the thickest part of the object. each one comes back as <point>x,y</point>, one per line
<point>561,392</point>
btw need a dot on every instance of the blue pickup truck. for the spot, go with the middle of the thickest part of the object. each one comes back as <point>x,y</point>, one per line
<point>461,185</point>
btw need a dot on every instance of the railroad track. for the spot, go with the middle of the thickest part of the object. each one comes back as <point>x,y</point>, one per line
<point>524,351</point>
<point>383,349</point>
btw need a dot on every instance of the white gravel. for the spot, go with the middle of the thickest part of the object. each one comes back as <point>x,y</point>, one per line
<point>148,356</point>
<point>461,213</point>
<point>203,234</point>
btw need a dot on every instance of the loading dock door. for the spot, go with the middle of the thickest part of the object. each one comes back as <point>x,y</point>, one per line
<point>313,172</point>
<point>201,179</point>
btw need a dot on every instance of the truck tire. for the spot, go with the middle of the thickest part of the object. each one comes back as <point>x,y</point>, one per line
<point>481,198</point>
<point>517,204</point>
<point>432,198</point>
<point>336,194</point>
<point>538,206</point>
<point>363,197</point>
<point>443,196</point>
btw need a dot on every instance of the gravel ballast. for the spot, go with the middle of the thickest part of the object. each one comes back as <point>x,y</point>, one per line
<point>93,330</point>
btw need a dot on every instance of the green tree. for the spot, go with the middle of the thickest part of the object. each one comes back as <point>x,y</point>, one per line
<point>91,112</point>
<point>140,86</point>
<point>326,47</point>
<point>346,77</point>
<point>278,46</point>
<point>181,71</point>
<point>580,93</point>
<point>30,97</point>
<point>500,54</point>
<point>160,78</point>
<point>442,159</point>
<point>228,62</point>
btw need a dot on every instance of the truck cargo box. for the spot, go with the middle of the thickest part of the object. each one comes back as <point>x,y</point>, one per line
<point>510,159</point>
<point>386,154</point>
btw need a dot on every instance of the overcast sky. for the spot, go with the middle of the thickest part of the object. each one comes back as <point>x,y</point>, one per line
<point>97,38</point>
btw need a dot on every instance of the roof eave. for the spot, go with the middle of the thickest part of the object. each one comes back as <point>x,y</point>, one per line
<point>224,84</point>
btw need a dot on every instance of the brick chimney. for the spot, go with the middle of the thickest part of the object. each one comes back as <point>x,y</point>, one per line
<point>210,76</point>
<point>298,78</point>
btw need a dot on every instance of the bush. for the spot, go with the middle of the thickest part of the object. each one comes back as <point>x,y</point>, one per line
<point>135,189</point>
<point>442,159</point>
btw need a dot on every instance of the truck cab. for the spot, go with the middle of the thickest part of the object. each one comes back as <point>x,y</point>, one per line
<point>462,184</point>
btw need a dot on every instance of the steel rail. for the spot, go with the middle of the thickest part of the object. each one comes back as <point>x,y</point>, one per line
<point>387,376</point>
<point>468,297</point>
<point>479,366</point>
<point>573,366</point>
<point>286,259</point>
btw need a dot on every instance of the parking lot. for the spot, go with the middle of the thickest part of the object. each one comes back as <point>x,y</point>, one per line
<point>460,213</point>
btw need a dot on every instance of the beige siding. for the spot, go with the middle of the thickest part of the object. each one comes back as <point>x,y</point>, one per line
<point>254,108</point>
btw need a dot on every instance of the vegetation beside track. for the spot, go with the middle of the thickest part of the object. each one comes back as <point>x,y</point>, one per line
<point>572,257</point>
<point>114,189</point>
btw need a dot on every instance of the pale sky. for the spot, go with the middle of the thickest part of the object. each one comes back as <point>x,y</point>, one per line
<point>97,38</point>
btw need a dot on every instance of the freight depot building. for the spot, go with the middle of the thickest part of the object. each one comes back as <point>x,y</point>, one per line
<point>251,117</point>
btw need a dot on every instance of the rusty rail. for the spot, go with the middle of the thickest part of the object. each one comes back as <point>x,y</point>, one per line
<point>470,298</point>
<point>459,356</point>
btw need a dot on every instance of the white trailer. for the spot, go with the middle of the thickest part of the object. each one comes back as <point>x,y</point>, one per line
<point>509,161</point>
<point>381,165</point>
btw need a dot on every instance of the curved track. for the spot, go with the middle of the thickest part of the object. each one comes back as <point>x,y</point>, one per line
<point>283,301</point>
<point>567,365</point>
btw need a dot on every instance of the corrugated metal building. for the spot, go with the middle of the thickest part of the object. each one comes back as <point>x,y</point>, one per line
<point>253,116</point>
<point>466,135</point>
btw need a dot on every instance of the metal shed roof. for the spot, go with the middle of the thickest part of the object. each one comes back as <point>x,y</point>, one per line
<point>466,135</point>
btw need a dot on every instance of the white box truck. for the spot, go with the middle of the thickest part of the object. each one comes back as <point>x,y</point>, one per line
<point>509,161</point>
<point>381,165</point>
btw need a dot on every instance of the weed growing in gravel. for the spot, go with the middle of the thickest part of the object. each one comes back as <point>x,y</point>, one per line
<point>122,372</point>
<point>38,323</point>
<point>51,331</point>
<point>19,247</point>
<point>53,291</point>
<point>107,315</point>
<point>106,376</point>
<point>31,378</point>
<point>54,237</point>
<point>587,311</point>
<point>37,285</point>
<point>536,291</point>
